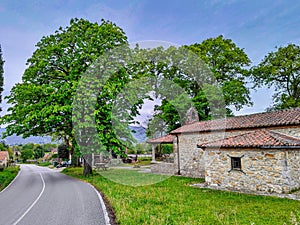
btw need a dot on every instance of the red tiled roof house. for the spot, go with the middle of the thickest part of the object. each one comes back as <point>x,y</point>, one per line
<point>258,152</point>
<point>4,158</point>
<point>259,160</point>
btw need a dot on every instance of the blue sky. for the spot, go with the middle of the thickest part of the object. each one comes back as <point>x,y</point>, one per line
<point>256,26</point>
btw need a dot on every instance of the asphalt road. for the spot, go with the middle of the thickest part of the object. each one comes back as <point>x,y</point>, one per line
<point>41,196</point>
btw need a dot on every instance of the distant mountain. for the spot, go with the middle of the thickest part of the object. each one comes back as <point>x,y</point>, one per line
<point>18,140</point>
<point>138,132</point>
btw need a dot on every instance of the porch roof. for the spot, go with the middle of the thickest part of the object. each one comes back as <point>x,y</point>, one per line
<point>167,139</point>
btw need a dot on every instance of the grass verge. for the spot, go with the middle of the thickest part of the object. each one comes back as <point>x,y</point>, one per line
<point>174,201</point>
<point>45,164</point>
<point>7,175</point>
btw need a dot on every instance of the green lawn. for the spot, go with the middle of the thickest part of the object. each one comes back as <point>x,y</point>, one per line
<point>7,175</point>
<point>131,176</point>
<point>174,201</point>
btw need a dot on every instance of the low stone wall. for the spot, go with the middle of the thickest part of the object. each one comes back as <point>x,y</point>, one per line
<point>270,171</point>
<point>164,168</point>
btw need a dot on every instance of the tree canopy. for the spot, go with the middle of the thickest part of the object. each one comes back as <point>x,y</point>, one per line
<point>42,102</point>
<point>227,64</point>
<point>281,70</point>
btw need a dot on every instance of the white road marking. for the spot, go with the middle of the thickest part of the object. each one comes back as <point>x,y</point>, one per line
<point>107,222</point>
<point>36,200</point>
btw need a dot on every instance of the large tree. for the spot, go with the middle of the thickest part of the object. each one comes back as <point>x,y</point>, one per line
<point>281,70</point>
<point>42,102</point>
<point>1,75</point>
<point>228,66</point>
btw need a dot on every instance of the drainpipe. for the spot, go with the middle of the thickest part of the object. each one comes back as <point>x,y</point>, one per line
<point>178,159</point>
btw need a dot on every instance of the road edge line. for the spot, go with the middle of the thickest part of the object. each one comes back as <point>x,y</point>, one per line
<point>12,181</point>
<point>33,204</point>
<point>103,206</point>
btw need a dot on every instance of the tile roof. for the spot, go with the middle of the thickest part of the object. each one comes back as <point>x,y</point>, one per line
<point>255,139</point>
<point>167,139</point>
<point>259,120</point>
<point>3,155</point>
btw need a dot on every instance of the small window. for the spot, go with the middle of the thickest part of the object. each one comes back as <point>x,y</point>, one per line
<point>236,163</point>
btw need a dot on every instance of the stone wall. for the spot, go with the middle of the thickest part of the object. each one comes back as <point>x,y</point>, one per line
<point>262,170</point>
<point>292,131</point>
<point>164,168</point>
<point>192,163</point>
<point>193,160</point>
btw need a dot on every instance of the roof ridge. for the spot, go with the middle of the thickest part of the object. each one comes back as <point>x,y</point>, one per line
<point>258,120</point>
<point>262,138</point>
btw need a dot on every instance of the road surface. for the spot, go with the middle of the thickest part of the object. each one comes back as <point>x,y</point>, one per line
<point>41,196</point>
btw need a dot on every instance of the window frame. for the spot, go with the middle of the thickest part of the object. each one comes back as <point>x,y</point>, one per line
<point>232,167</point>
<point>236,163</point>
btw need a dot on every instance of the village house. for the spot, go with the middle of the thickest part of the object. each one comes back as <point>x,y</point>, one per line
<point>4,158</point>
<point>258,152</point>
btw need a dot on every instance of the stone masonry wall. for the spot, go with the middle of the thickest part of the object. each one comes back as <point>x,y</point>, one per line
<point>164,168</point>
<point>262,170</point>
<point>294,131</point>
<point>293,172</point>
<point>192,164</point>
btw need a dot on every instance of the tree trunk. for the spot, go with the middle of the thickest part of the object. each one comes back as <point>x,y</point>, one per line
<point>87,165</point>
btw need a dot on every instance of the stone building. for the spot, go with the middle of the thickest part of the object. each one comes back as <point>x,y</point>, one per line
<point>259,160</point>
<point>194,159</point>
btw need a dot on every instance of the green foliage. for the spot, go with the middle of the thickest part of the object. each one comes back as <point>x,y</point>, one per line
<point>38,152</point>
<point>280,69</point>
<point>28,146</point>
<point>213,75</point>
<point>63,151</point>
<point>167,148</point>
<point>174,201</point>
<point>54,156</point>
<point>42,103</point>
<point>3,146</point>
<point>48,147</point>
<point>27,154</point>
<point>228,63</point>
<point>7,175</point>
<point>1,75</point>
<point>46,164</point>
<point>141,148</point>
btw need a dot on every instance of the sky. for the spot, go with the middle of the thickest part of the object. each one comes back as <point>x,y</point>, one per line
<point>256,26</point>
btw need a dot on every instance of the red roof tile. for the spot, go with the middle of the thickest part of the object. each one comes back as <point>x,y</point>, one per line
<point>167,139</point>
<point>255,139</point>
<point>259,120</point>
<point>3,155</point>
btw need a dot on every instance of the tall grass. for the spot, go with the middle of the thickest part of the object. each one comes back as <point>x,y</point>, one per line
<point>7,175</point>
<point>174,201</point>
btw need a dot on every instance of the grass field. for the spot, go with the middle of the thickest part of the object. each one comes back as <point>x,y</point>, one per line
<point>7,175</point>
<point>174,201</point>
